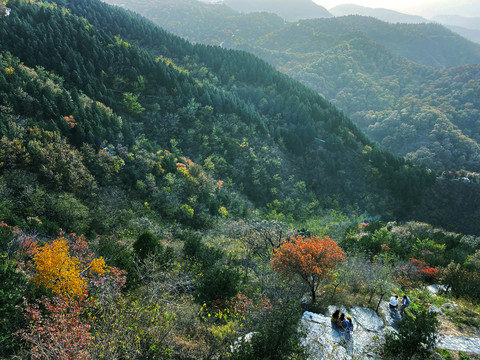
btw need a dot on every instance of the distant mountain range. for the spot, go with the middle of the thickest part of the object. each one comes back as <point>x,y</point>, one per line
<point>468,27</point>
<point>287,9</point>
<point>387,15</point>
<point>472,23</point>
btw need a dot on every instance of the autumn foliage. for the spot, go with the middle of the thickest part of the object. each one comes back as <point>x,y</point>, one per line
<point>60,271</point>
<point>56,329</point>
<point>419,270</point>
<point>311,258</point>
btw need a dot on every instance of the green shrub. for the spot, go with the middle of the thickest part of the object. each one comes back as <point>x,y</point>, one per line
<point>277,338</point>
<point>217,283</point>
<point>117,254</point>
<point>192,245</point>
<point>11,295</point>
<point>463,356</point>
<point>416,335</point>
<point>197,252</point>
<point>6,236</point>
<point>464,317</point>
<point>445,354</point>
<point>148,245</point>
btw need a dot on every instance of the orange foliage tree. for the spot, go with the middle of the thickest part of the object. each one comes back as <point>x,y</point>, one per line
<point>311,258</point>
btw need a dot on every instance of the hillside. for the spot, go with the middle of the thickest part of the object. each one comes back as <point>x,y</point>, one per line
<point>461,21</point>
<point>465,27</point>
<point>217,23</point>
<point>351,61</point>
<point>255,128</point>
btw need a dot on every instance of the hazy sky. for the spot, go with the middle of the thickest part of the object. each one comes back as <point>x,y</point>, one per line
<point>426,8</point>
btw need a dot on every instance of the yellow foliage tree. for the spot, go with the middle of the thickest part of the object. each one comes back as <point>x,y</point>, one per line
<point>59,271</point>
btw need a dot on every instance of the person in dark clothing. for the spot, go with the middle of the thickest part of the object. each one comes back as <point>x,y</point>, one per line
<point>335,316</point>
<point>340,320</point>
<point>405,304</point>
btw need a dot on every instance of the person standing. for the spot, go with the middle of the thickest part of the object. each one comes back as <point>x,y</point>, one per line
<point>405,304</point>
<point>346,334</point>
<point>394,302</point>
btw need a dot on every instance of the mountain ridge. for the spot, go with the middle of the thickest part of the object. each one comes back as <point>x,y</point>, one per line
<point>386,15</point>
<point>301,9</point>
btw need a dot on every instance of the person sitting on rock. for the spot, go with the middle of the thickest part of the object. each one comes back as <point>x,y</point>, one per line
<point>348,324</point>
<point>340,321</point>
<point>394,302</point>
<point>335,316</point>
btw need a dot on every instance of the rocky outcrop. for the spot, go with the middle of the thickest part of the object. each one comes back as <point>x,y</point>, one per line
<point>326,341</point>
<point>459,343</point>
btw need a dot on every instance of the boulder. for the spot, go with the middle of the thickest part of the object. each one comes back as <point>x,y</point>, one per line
<point>448,307</point>
<point>436,288</point>
<point>459,343</point>
<point>326,341</point>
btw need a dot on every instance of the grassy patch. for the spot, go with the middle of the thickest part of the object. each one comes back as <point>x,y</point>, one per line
<point>464,316</point>
<point>463,356</point>
<point>445,354</point>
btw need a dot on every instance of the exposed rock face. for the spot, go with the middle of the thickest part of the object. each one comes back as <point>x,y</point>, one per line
<point>367,318</point>
<point>436,288</point>
<point>389,316</point>
<point>458,343</point>
<point>326,340</point>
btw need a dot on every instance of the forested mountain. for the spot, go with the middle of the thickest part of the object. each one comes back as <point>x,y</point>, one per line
<point>470,34</point>
<point>465,27</point>
<point>457,20</point>
<point>360,64</point>
<point>206,104</point>
<point>216,22</point>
